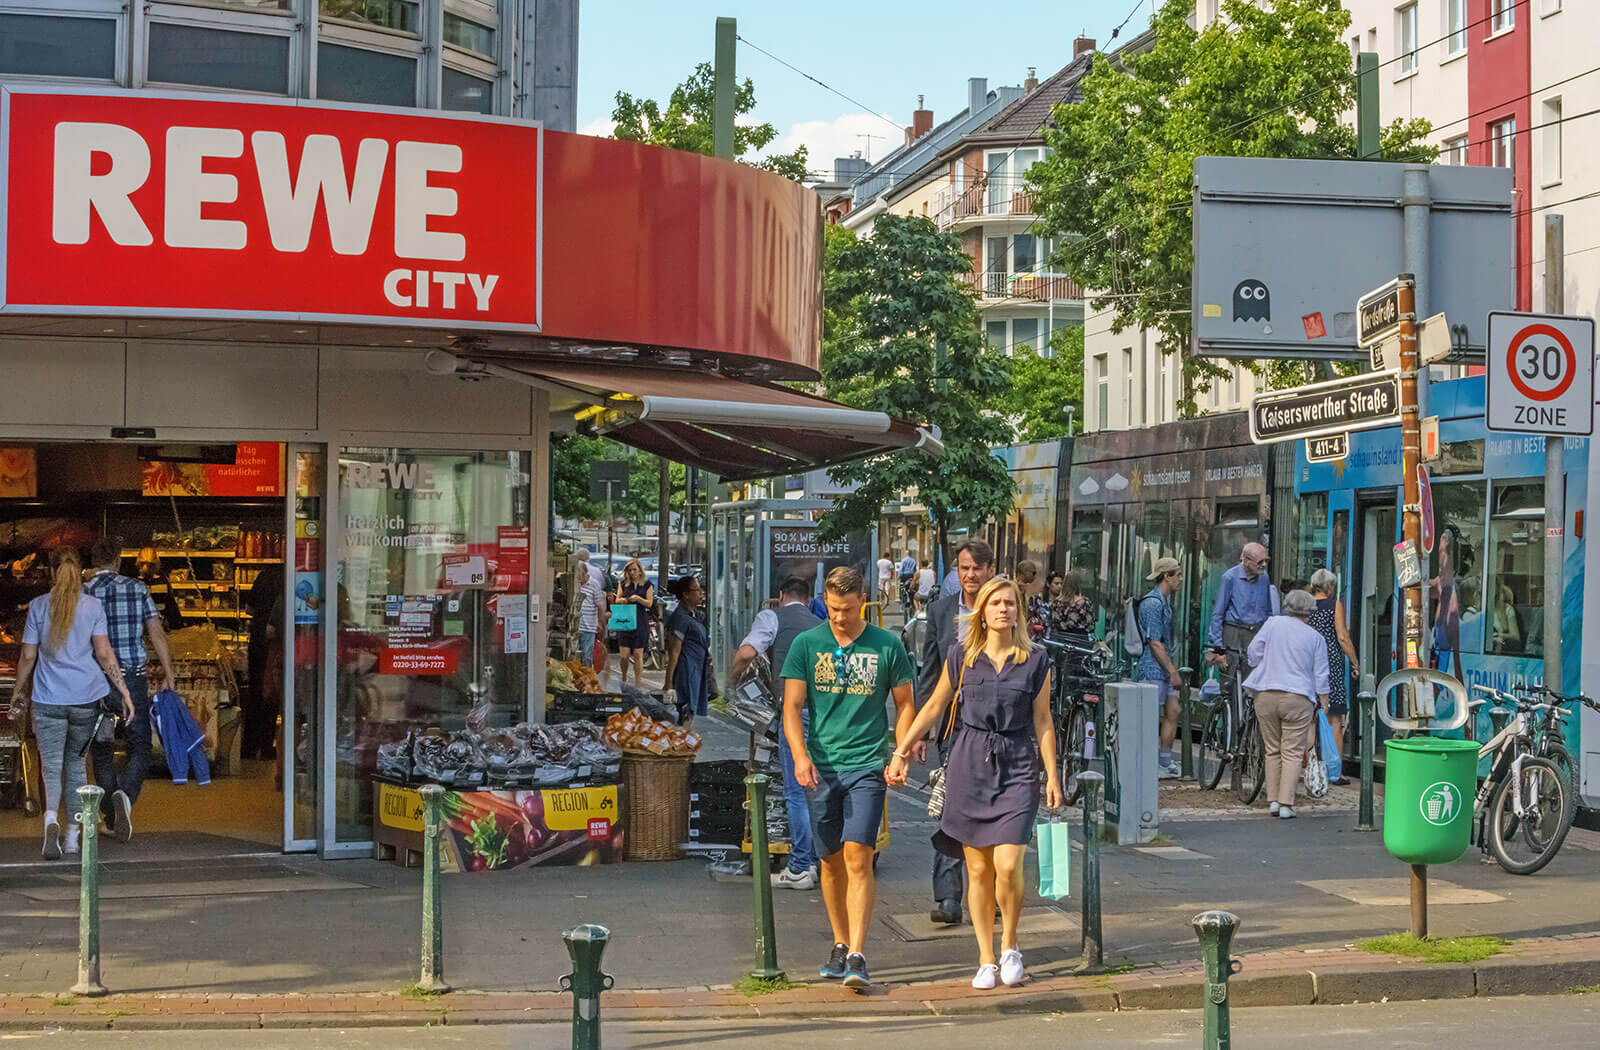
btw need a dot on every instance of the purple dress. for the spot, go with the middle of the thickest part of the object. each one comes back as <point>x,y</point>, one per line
<point>992,782</point>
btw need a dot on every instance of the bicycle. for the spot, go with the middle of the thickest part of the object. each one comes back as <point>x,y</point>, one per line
<point>1080,673</point>
<point>1525,799</point>
<point>1222,746</point>
<point>1550,732</point>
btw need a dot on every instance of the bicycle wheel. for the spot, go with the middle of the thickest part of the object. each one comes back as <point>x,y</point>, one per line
<point>1252,764</point>
<point>1214,747</point>
<point>1073,759</point>
<point>1561,758</point>
<point>1524,844</point>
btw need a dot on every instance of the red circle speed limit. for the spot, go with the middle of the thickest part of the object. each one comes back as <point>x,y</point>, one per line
<point>1541,362</point>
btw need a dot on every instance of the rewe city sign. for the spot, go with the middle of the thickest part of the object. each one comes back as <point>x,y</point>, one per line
<point>116,203</point>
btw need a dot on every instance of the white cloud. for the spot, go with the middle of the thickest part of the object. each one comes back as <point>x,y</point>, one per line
<point>826,139</point>
<point>601,127</point>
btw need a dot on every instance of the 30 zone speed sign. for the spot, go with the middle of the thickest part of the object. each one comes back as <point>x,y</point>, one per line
<point>1541,374</point>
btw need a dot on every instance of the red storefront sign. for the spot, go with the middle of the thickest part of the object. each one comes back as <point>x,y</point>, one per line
<point>146,204</point>
<point>257,470</point>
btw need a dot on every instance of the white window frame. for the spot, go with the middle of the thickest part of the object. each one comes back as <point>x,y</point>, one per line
<point>1455,150</point>
<point>1550,141</point>
<point>276,23</point>
<point>114,10</point>
<point>1407,39</point>
<point>1455,27</point>
<point>1127,382</point>
<point>1503,134</point>
<point>1551,7</point>
<point>1102,385</point>
<point>1502,16</point>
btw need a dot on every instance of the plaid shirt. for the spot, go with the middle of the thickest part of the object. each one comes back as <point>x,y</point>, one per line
<point>128,605</point>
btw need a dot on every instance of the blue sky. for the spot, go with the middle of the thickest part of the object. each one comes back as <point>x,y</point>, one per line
<point>881,54</point>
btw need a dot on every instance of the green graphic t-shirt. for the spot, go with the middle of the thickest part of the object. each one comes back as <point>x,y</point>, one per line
<point>847,693</point>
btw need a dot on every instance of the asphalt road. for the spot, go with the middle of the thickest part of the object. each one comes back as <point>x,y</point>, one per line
<point>1553,1023</point>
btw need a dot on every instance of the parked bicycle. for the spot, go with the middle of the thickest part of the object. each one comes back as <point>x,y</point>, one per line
<point>1550,732</point>
<point>1079,670</point>
<point>1230,737</point>
<point>1524,806</point>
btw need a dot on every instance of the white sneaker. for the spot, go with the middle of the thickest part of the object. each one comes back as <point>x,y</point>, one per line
<point>1011,971</point>
<point>71,846</point>
<point>1285,813</point>
<point>1273,809</point>
<point>1172,772</point>
<point>984,978</point>
<point>795,880</point>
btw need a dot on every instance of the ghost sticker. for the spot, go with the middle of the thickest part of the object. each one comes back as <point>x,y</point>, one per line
<point>1251,301</point>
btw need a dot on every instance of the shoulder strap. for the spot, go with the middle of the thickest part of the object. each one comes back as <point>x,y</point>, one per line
<point>955,702</point>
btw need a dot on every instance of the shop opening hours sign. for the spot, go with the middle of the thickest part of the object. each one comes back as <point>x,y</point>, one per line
<point>143,204</point>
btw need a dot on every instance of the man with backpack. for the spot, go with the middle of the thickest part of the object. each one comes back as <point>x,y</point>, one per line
<point>1151,617</point>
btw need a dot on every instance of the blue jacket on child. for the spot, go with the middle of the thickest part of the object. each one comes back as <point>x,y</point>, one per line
<point>181,738</point>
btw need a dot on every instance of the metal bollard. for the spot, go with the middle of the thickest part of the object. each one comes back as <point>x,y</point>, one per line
<point>1093,957</point>
<point>761,880</point>
<point>88,818</point>
<point>1367,703</point>
<point>585,944</point>
<point>1185,730</point>
<point>1215,930</point>
<point>432,979</point>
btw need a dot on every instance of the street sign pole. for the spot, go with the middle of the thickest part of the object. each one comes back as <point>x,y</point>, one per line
<point>1410,455</point>
<point>1555,502</point>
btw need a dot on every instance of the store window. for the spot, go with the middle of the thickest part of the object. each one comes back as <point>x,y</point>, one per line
<point>432,602</point>
<point>465,93</point>
<point>465,33</point>
<point>48,46</point>
<point>302,713</point>
<point>1455,571</point>
<point>219,58</point>
<point>1514,601</point>
<point>353,74</point>
<point>387,14</point>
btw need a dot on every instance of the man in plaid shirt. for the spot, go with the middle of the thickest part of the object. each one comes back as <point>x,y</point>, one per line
<point>130,612</point>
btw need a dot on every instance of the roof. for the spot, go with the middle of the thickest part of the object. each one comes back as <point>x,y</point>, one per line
<point>1028,114</point>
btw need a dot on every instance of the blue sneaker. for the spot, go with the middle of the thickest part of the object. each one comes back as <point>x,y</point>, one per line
<point>834,968</point>
<point>855,971</point>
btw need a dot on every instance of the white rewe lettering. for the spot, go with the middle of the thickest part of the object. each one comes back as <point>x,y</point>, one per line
<point>190,188</point>
<point>482,288</point>
<point>415,202</point>
<point>76,190</point>
<point>448,283</point>
<point>349,206</point>
<point>391,287</point>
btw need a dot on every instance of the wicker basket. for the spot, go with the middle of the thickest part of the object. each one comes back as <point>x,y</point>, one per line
<point>657,790</point>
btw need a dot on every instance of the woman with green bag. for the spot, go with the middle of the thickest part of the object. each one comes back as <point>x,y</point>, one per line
<point>997,687</point>
<point>634,600</point>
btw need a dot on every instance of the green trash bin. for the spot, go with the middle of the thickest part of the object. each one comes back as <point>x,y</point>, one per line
<point>1429,786</point>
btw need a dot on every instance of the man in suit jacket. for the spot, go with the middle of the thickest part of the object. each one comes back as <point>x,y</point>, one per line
<point>947,626</point>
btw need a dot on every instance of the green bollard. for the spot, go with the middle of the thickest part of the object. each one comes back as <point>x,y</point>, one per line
<point>1185,730</point>
<point>585,944</point>
<point>88,818</point>
<point>432,979</point>
<point>1093,958</point>
<point>1367,702</point>
<point>1215,930</point>
<point>761,881</point>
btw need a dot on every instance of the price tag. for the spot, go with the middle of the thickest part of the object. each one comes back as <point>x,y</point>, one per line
<point>465,570</point>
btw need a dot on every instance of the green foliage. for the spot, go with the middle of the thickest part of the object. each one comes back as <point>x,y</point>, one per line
<point>751,985</point>
<point>1042,387</point>
<point>572,457</point>
<point>1435,949</point>
<point>1270,78</point>
<point>900,335</point>
<point>686,123</point>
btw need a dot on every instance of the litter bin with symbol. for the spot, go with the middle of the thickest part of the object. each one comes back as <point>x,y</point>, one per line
<point>1427,802</point>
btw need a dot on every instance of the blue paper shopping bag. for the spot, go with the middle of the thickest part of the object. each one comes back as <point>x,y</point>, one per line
<point>1054,845</point>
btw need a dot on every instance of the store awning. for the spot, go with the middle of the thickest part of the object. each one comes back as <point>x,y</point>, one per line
<point>736,430</point>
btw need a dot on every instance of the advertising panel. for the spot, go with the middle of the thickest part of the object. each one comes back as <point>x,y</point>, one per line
<point>795,551</point>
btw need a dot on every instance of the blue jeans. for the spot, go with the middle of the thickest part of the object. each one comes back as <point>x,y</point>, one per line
<point>802,847</point>
<point>137,736</point>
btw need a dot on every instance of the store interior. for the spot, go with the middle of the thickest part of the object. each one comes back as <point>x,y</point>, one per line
<point>203,526</point>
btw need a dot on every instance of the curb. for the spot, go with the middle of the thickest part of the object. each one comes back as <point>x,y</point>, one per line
<point>1371,978</point>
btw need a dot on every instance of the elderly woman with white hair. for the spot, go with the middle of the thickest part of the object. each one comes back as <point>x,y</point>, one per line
<point>1329,621</point>
<point>1290,678</point>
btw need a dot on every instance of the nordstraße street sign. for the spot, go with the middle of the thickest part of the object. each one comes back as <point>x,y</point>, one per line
<point>1319,409</point>
<point>1378,313</point>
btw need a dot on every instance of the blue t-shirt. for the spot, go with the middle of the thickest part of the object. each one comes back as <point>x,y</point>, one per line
<point>1155,624</point>
<point>69,675</point>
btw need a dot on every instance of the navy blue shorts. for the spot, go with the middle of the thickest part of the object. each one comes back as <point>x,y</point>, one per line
<point>847,807</point>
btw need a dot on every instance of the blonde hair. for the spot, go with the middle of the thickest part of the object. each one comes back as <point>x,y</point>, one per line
<point>64,595</point>
<point>628,570</point>
<point>978,629</point>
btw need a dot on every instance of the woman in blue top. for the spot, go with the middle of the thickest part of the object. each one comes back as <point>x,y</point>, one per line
<point>688,650</point>
<point>66,659</point>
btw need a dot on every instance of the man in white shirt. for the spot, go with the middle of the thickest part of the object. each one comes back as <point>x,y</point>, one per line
<point>592,596</point>
<point>885,577</point>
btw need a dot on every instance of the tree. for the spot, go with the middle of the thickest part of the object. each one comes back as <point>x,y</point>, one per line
<point>686,123</point>
<point>1042,387</point>
<point>572,458</point>
<point>1270,78</point>
<point>900,335</point>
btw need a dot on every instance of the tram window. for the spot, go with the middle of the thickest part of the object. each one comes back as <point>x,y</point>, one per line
<point>1514,595</point>
<point>1088,533</point>
<point>1310,516</point>
<point>1455,568</point>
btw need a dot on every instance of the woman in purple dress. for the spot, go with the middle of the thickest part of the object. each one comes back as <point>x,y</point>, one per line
<point>1000,682</point>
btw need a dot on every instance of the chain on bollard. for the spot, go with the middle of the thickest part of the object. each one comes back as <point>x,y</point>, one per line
<point>1093,958</point>
<point>1366,707</point>
<point>761,880</point>
<point>432,979</point>
<point>88,817</point>
<point>1185,742</point>
<point>1215,930</point>
<point>585,944</point>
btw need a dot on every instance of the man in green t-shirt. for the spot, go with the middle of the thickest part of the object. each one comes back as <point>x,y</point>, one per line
<point>843,672</point>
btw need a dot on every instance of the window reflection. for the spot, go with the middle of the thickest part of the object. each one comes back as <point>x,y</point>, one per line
<point>389,14</point>
<point>44,46</point>
<point>1515,589</point>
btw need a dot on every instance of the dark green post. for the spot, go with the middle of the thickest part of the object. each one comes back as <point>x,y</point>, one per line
<point>761,881</point>
<point>724,85</point>
<point>1093,958</point>
<point>585,944</point>
<point>432,979</point>
<point>1366,705</point>
<point>1185,744</point>
<point>1215,930</point>
<point>1369,144</point>
<point>88,817</point>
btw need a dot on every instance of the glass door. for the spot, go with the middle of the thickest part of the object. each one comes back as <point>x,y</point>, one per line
<point>299,620</point>
<point>1375,640</point>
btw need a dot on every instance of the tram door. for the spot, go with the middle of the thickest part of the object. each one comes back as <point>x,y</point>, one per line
<point>1374,586</point>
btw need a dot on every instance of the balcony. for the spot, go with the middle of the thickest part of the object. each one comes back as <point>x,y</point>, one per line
<point>995,289</point>
<point>990,197</point>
